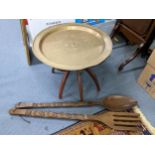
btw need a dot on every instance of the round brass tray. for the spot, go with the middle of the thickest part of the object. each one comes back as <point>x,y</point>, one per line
<point>72,46</point>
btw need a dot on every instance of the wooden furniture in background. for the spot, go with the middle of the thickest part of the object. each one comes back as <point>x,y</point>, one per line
<point>137,31</point>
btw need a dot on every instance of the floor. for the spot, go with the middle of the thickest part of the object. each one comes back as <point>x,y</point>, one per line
<point>36,83</point>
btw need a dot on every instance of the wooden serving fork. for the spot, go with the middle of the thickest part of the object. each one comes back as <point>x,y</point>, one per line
<point>116,120</point>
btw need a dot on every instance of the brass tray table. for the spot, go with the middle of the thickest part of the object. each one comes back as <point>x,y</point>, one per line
<point>72,47</point>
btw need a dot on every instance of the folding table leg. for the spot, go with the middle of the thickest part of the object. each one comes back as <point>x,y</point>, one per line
<point>63,82</point>
<point>80,85</point>
<point>93,78</point>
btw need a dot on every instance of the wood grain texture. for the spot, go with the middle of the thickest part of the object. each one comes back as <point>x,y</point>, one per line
<point>112,103</point>
<point>54,104</point>
<point>45,114</point>
<point>116,120</point>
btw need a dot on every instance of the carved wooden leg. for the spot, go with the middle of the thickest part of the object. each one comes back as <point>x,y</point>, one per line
<point>66,74</point>
<point>148,43</point>
<point>135,54</point>
<point>93,78</point>
<point>80,85</point>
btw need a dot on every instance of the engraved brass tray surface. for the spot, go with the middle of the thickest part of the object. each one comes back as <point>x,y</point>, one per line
<point>72,46</point>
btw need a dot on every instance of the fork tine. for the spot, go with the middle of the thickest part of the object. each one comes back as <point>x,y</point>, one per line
<point>127,128</point>
<point>126,118</point>
<point>129,114</point>
<point>118,123</point>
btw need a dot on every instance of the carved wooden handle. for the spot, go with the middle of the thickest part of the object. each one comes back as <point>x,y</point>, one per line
<point>45,114</point>
<point>55,104</point>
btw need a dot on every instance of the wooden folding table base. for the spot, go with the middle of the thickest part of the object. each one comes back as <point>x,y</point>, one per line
<point>79,79</point>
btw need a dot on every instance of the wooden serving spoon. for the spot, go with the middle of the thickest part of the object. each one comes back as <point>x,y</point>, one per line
<point>112,103</point>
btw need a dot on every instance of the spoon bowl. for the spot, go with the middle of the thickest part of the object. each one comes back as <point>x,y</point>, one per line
<point>118,103</point>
